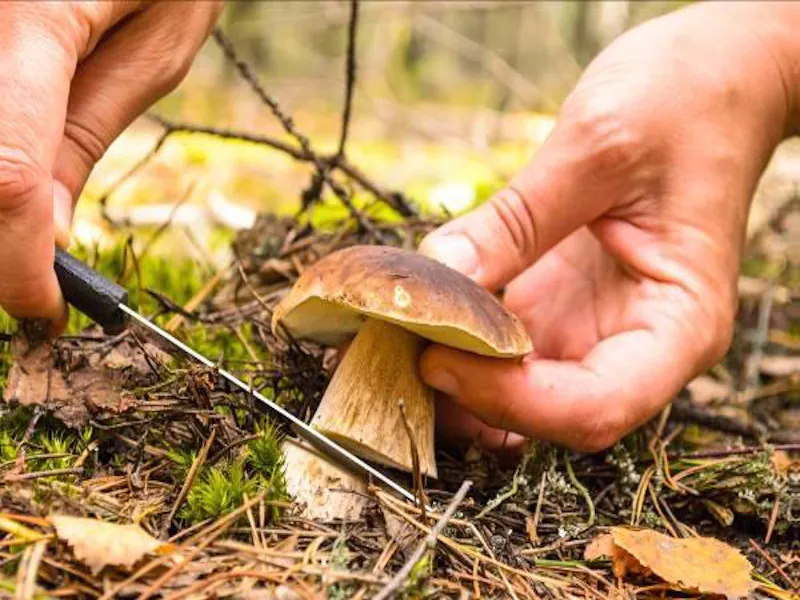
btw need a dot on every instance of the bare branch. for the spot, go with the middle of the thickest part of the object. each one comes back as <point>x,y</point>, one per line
<point>350,75</point>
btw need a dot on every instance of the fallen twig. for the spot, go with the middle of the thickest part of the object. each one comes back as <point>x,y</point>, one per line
<point>189,481</point>
<point>428,543</point>
<point>349,74</point>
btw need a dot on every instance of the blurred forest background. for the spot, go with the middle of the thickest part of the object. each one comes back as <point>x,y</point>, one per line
<point>451,98</point>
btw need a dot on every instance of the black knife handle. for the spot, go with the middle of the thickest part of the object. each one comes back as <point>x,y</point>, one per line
<point>94,295</point>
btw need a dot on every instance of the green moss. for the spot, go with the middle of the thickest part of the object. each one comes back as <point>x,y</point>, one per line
<point>264,453</point>
<point>340,559</point>
<point>8,446</point>
<point>761,267</point>
<point>55,442</point>
<point>218,491</point>
<point>50,437</point>
<point>7,325</point>
<point>265,457</point>
<point>182,461</point>
<point>220,343</point>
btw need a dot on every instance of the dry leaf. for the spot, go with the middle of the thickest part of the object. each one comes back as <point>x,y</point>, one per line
<point>97,543</point>
<point>75,383</point>
<point>601,546</point>
<point>703,565</point>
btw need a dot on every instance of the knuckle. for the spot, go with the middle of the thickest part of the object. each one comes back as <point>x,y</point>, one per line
<point>613,141</point>
<point>515,216</point>
<point>85,141</point>
<point>20,178</point>
<point>173,72</point>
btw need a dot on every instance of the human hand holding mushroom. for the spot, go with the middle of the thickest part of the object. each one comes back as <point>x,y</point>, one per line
<point>619,245</point>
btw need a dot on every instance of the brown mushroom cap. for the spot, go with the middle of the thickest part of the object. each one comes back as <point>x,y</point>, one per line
<point>334,296</point>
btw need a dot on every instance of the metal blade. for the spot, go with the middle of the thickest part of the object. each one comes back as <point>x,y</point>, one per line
<point>308,433</point>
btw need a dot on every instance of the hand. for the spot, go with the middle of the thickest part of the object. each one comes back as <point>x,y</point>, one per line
<point>73,76</point>
<point>619,245</point>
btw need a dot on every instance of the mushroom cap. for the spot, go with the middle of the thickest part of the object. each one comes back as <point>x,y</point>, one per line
<point>334,296</point>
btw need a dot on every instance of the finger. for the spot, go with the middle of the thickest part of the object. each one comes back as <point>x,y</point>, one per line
<point>40,44</point>
<point>34,80</point>
<point>457,426</point>
<point>129,70</point>
<point>586,166</point>
<point>587,405</point>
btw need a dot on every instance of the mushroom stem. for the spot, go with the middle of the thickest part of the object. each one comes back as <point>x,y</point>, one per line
<point>361,409</point>
<point>321,489</point>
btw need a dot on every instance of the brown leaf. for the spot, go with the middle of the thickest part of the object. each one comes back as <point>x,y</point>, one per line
<point>703,565</point>
<point>97,543</point>
<point>78,381</point>
<point>601,546</point>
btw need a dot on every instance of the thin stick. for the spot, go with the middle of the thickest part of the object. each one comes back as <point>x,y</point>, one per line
<point>190,477</point>
<point>221,526</point>
<point>582,489</point>
<point>537,514</point>
<point>752,365</point>
<point>323,169</point>
<point>350,75</point>
<point>419,488</point>
<point>394,199</point>
<point>773,518</point>
<point>427,544</point>
<point>721,453</point>
<point>177,320</point>
<point>29,569</point>
<point>40,474</point>
<point>774,564</point>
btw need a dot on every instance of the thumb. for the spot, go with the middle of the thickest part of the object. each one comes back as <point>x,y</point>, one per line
<point>583,168</point>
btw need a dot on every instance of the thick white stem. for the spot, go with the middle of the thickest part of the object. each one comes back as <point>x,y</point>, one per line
<point>360,409</point>
<point>321,490</point>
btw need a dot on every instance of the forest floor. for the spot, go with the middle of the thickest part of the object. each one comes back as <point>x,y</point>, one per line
<point>119,429</point>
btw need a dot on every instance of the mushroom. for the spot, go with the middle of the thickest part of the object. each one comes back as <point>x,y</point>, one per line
<point>392,300</point>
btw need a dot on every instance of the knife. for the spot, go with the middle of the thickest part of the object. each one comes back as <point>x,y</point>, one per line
<point>106,303</point>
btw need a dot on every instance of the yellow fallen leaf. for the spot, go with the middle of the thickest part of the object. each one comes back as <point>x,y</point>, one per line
<point>701,564</point>
<point>601,546</point>
<point>97,543</point>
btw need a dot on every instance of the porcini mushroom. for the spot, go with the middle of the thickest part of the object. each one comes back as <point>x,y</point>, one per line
<point>391,300</point>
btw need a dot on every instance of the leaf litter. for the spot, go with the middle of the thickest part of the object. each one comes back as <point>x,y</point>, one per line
<point>99,543</point>
<point>73,381</point>
<point>696,564</point>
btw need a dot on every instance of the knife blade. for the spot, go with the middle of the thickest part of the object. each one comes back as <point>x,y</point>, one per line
<point>106,303</point>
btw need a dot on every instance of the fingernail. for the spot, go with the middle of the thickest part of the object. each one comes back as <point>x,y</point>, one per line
<point>456,251</point>
<point>442,380</point>
<point>62,213</point>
